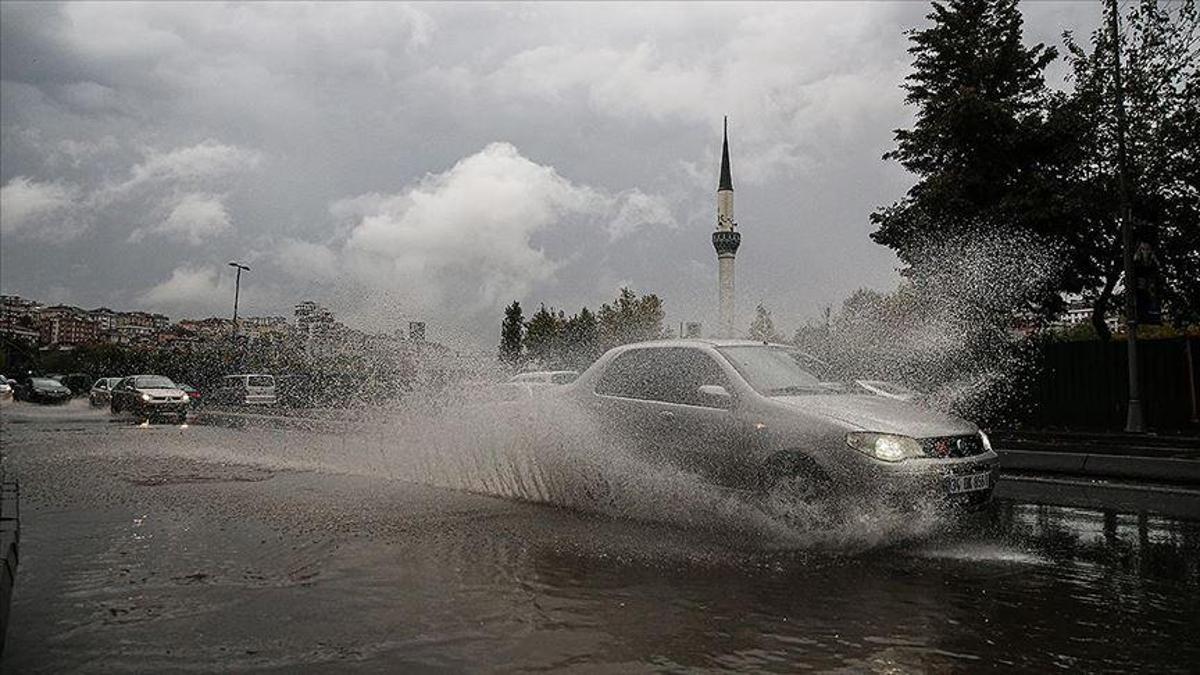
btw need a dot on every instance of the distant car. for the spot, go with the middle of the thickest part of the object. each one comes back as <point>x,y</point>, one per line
<point>6,391</point>
<point>148,396</point>
<point>753,417</point>
<point>42,390</point>
<point>547,377</point>
<point>79,383</point>
<point>101,392</point>
<point>192,392</point>
<point>247,390</point>
<point>888,390</point>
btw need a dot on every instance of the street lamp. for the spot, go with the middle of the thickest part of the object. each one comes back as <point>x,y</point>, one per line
<point>237,287</point>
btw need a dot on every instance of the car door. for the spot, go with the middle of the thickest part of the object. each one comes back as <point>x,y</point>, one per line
<point>698,432</point>
<point>625,403</point>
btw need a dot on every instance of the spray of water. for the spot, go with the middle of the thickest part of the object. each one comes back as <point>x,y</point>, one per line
<point>950,330</point>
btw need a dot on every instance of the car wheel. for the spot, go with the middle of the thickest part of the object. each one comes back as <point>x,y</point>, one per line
<point>795,477</point>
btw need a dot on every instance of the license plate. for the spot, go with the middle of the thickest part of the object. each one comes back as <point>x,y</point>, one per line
<point>969,483</point>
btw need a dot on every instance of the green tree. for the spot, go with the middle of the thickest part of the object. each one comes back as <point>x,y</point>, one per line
<point>544,337</point>
<point>1161,83</point>
<point>582,339</point>
<point>630,319</point>
<point>762,328</point>
<point>984,157</point>
<point>511,332</point>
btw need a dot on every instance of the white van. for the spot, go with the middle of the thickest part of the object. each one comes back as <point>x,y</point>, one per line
<point>247,390</point>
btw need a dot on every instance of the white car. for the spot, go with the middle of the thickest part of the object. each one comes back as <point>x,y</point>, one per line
<point>750,415</point>
<point>101,393</point>
<point>6,392</point>
<point>546,377</point>
<point>247,390</point>
<point>888,390</point>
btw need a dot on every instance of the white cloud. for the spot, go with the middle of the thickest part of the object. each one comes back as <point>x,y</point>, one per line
<point>465,236</point>
<point>190,165</point>
<point>306,260</point>
<point>194,218</point>
<point>638,210</point>
<point>194,288</point>
<point>42,210</point>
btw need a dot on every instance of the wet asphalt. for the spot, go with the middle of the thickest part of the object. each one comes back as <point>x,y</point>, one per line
<point>208,548</point>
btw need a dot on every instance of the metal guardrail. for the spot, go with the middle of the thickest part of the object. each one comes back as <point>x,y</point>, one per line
<point>10,539</point>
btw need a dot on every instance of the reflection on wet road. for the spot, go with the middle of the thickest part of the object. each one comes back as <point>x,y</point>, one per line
<point>212,548</point>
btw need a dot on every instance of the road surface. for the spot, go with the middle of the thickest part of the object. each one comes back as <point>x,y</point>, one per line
<point>209,548</point>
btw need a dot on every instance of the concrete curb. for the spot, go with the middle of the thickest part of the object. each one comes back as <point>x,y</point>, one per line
<point>10,538</point>
<point>1156,469</point>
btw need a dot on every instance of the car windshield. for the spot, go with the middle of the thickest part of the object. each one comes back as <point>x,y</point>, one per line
<point>774,371</point>
<point>153,382</point>
<point>45,382</point>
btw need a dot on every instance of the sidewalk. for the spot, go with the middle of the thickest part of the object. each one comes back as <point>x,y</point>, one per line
<point>1167,459</point>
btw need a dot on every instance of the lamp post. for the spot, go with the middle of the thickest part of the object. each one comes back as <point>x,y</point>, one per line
<point>1134,421</point>
<point>237,287</point>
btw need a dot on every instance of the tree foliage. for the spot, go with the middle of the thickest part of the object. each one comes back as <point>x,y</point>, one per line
<point>630,318</point>
<point>512,331</point>
<point>762,328</point>
<point>996,153</point>
<point>1161,83</point>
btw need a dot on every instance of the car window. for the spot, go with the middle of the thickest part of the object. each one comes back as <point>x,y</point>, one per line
<point>775,371</point>
<point>100,384</point>
<point>260,381</point>
<point>563,378</point>
<point>153,382</point>
<point>671,375</point>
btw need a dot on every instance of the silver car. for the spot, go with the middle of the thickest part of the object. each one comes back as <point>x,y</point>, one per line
<point>749,416</point>
<point>101,393</point>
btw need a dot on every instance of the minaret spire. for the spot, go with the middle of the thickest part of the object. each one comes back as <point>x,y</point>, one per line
<point>726,176</point>
<point>726,241</point>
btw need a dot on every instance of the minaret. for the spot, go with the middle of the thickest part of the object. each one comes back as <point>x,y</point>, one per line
<point>726,240</point>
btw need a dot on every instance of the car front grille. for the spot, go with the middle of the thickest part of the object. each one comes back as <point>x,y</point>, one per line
<point>946,447</point>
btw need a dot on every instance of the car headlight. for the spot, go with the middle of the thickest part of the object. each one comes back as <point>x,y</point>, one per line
<point>987,443</point>
<point>885,447</point>
<point>145,397</point>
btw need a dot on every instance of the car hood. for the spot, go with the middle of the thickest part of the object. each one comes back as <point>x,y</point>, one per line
<point>162,392</point>
<point>52,389</point>
<point>885,415</point>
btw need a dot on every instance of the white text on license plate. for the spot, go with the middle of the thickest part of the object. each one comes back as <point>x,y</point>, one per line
<point>968,483</point>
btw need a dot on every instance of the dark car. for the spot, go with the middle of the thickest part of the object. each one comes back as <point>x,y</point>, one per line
<point>147,396</point>
<point>42,390</point>
<point>79,383</point>
<point>192,393</point>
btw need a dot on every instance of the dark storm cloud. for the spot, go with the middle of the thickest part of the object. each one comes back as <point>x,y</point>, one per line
<point>437,161</point>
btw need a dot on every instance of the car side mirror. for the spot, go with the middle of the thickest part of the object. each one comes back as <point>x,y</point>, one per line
<point>715,391</point>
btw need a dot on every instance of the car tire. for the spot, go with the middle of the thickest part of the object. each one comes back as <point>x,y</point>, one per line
<point>796,472</point>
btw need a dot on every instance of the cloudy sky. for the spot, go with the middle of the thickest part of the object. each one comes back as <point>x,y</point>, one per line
<point>437,161</point>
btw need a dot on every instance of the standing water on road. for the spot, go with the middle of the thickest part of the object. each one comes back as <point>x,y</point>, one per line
<point>162,548</point>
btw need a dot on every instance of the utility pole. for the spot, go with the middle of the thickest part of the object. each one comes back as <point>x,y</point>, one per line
<point>237,287</point>
<point>1133,420</point>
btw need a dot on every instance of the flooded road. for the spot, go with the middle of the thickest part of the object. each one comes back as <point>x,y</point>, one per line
<point>210,548</point>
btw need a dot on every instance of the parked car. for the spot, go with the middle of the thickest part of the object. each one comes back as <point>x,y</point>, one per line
<point>547,376</point>
<point>6,390</point>
<point>147,396</point>
<point>42,390</point>
<point>79,383</point>
<point>247,390</point>
<point>193,394</point>
<point>750,416</point>
<point>101,392</point>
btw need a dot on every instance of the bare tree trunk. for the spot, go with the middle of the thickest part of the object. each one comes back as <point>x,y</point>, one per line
<point>1100,307</point>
